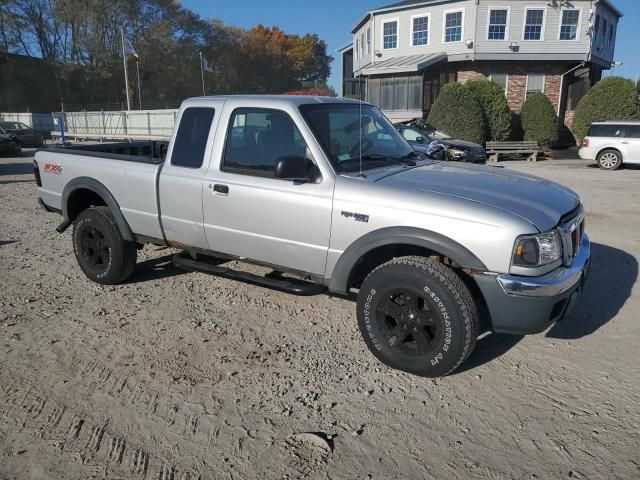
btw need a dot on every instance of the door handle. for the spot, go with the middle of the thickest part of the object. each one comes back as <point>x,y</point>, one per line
<point>224,189</point>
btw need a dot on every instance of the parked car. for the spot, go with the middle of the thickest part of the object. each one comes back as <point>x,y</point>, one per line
<point>9,143</point>
<point>28,136</point>
<point>612,143</point>
<point>420,135</point>
<point>331,197</point>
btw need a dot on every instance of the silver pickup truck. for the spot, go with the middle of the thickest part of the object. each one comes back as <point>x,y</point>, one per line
<point>327,193</point>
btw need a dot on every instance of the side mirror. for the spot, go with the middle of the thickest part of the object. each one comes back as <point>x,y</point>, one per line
<point>420,139</point>
<point>297,169</point>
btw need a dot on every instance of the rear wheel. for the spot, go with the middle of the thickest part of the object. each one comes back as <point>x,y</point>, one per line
<point>103,255</point>
<point>610,160</point>
<point>416,315</point>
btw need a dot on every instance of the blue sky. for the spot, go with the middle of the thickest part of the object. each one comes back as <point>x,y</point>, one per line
<point>332,20</point>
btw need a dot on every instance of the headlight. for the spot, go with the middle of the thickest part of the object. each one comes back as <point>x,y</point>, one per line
<point>537,250</point>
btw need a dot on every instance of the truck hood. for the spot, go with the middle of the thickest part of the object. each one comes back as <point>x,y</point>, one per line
<point>534,199</point>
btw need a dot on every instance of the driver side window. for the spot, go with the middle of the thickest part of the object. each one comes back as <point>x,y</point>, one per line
<point>258,138</point>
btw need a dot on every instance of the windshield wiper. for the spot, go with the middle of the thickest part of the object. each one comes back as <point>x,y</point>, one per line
<point>405,159</point>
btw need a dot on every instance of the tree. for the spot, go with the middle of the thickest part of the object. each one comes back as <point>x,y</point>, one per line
<point>494,108</point>
<point>539,119</point>
<point>613,98</point>
<point>457,112</point>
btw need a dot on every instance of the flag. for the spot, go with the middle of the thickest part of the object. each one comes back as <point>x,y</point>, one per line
<point>207,66</point>
<point>129,48</point>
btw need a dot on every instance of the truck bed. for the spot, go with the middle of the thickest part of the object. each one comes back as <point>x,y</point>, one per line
<point>152,152</point>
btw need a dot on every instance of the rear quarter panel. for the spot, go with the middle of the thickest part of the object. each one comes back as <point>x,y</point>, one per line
<point>132,184</point>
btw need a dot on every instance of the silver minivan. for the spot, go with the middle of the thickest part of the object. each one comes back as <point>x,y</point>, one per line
<point>612,143</point>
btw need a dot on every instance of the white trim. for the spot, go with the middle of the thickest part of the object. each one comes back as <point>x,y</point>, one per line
<point>543,26</point>
<point>560,24</point>
<point>526,86</point>
<point>506,30</point>
<point>383,23</point>
<point>444,26</point>
<point>422,15</point>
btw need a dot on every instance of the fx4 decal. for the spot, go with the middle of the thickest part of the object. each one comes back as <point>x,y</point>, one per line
<point>359,217</point>
<point>53,168</point>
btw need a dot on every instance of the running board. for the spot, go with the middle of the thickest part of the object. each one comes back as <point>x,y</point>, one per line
<point>274,282</point>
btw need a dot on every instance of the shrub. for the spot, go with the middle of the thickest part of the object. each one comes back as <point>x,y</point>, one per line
<point>457,112</point>
<point>539,119</point>
<point>494,107</point>
<point>613,98</point>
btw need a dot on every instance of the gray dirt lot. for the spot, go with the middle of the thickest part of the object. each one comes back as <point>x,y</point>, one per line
<point>178,376</point>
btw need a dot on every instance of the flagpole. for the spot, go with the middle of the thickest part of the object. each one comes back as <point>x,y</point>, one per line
<point>126,74</point>
<point>204,91</point>
<point>139,85</point>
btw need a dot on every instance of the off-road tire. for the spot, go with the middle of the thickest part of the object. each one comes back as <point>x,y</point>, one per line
<point>610,160</point>
<point>103,255</point>
<point>444,316</point>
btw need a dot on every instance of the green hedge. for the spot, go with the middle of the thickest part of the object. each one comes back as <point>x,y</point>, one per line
<point>539,121</point>
<point>613,98</point>
<point>494,108</point>
<point>457,112</point>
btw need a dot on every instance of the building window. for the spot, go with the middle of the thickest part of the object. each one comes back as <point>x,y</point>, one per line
<point>369,41</point>
<point>498,20</point>
<point>604,32</point>
<point>420,26</point>
<point>453,27</point>
<point>500,79</point>
<point>611,36</point>
<point>535,84</point>
<point>570,22</point>
<point>362,46</point>
<point>533,24</point>
<point>396,93</point>
<point>596,30</point>
<point>390,35</point>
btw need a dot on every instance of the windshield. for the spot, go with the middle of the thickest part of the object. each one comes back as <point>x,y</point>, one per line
<point>434,133</point>
<point>356,137</point>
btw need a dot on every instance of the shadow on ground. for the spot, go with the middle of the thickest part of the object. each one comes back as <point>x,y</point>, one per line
<point>612,276</point>
<point>155,269</point>
<point>611,279</point>
<point>7,242</point>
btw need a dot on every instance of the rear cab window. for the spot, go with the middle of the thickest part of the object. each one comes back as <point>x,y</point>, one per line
<point>191,139</point>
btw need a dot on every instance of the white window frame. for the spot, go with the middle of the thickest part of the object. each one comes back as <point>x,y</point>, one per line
<point>506,31</point>
<point>444,26</point>
<point>506,86</point>
<point>356,49</point>
<point>383,23</point>
<point>526,87</point>
<point>368,40</point>
<point>543,26</point>
<point>363,39</point>
<point>428,17</point>
<point>564,9</point>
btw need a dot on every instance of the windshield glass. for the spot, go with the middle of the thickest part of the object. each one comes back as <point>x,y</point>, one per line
<point>435,134</point>
<point>349,133</point>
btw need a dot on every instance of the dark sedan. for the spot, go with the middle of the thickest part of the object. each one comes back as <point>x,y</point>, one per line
<point>419,137</point>
<point>28,136</point>
<point>9,143</point>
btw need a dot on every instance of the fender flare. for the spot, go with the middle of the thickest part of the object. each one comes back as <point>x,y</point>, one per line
<point>86,183</point>
<point>402,236</point>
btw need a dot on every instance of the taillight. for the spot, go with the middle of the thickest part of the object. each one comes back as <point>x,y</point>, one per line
<point>585,142</point>
<point>36,173</point>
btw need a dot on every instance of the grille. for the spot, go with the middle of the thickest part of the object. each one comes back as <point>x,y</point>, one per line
<point>572,233</point>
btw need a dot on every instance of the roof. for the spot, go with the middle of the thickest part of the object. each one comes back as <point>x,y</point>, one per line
<point>409,63</point>
<point>272,100</point>
<point>611,6</point>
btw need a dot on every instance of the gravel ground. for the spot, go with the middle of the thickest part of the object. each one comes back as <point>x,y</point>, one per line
<point>177,376</point>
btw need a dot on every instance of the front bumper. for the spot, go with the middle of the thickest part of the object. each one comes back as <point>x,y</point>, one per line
<point>526,305</point>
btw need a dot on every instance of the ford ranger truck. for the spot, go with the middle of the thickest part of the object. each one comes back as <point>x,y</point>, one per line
<point>327,194</point>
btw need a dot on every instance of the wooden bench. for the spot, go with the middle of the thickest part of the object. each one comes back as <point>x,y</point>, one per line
<point>513,149</point>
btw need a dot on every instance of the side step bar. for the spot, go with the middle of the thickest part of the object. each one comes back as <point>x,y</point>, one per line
<point>288,285</point>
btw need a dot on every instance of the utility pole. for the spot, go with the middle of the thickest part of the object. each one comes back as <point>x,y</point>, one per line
<point>126,75</point>
<point>204,91</point>
<point>139,86</point>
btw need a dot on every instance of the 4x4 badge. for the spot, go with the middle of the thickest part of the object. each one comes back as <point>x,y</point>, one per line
<point>359,217</point>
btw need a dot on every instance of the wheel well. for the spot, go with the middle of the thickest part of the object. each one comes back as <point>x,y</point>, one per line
<point>609,149</point>
<point>80,200</point>
<point>376,257</point>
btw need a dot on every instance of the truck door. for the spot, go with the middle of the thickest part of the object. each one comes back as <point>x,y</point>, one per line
<point>180,185</point>
<point>250,213</point>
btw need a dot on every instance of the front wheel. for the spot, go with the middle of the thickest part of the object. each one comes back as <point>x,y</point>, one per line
<point>103,255</point>
<point>610,160</point>
<point>416,315</point>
